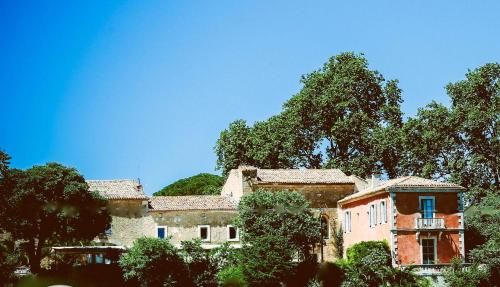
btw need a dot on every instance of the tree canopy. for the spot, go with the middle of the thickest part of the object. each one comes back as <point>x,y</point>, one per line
<point>203,183</point>
<point>348,116</point>
<point>154,262</point>
<point>332,122</point>
<point>48,205</point>
<point>275,227</point>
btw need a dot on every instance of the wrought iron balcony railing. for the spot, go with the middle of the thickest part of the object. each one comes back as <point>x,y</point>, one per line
<point>430,223</point>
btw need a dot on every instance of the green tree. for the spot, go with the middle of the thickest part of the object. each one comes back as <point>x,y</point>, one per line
<point>476,110</point>
<point>369,264</point>
<point>284,214</point>
<point>203,183</point>
<point>202,269</point>
<point>332,122</point>
<point>48,205</point>
<point>473,276</point>
<point>153,262</point>
<point>267,261</point>
<point>483,220</point>
<point>275,228</point>
<point>430,144</point>
<point>232,147</point>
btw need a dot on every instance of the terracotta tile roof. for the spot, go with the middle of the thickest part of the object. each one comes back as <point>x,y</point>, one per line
<point>302,176</point>
<point>118,189</point>
<point>403,182</point>
<point>192,202</point>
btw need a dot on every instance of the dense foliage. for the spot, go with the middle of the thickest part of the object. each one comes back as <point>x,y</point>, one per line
<point>336,119</point>
<point>275,228</point>
<point>369,264</point>
<point>348,116</point>
<point>471,276</point>
<point>203,183</point>
<point>154,262</point>
<point>49,205</point>
<point>285,214</point>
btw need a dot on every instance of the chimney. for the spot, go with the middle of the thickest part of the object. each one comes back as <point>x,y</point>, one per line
<point>375,180</point>
<point>248,171</point>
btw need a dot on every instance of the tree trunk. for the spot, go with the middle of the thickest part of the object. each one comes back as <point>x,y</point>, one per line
<point>34,255</point>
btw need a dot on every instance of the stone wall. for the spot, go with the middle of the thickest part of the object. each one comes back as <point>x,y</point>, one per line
<point>183,225</point>
<point>129,221</point>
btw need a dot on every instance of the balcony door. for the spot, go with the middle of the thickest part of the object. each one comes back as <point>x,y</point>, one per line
<point>427,206</point>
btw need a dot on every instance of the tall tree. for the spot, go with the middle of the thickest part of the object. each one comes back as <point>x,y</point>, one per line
<point>430,145</point>
<point>48,205</point>
<point>343,104</point>
<point>284,213</point>
<point>476,109</point>
<point>233,146</point>
<point>203,183</point>
<point>332,122</point>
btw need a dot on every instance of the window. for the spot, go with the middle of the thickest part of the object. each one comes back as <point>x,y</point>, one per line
<point>347,221</point>
<point>427,206</point>
<point>325,228</point>
<point>373,215</point>
<point>428,250</point>
<point>108,232</point>
<point>204,232</point>
<point>161,231</point>
<point>232,233</point>
<point>383,212</point>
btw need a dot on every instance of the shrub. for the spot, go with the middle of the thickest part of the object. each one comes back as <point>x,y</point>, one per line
<point>330,274</point>
<point>361,253</point>
<point>369,264</point>
<point>231,277</point>
<point>472,276</point>
<point>153,262</point>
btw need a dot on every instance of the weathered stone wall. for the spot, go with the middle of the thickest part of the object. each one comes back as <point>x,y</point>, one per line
<point>129,221</point>
<point>318,195</point>
<point>233,186</point>
<point>183,225</point>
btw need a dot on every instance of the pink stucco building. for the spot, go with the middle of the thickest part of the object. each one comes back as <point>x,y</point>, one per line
<point>421,219</point>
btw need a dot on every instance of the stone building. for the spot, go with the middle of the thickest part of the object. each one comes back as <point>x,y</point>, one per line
<point>413,214</point>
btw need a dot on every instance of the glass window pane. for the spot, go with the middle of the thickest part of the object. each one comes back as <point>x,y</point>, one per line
<point>232,232</point>
<point>204,233</point>
<point>161,232</point>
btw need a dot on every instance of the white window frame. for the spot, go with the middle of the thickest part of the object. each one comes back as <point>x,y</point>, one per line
<point>348,221</point>
<point>383,212</point>
<point>422,250</point>
<point>208,233</point>
<point>433,204</point>
<point>166,231</point>
<point>237,238</point>
<point>372,214</point>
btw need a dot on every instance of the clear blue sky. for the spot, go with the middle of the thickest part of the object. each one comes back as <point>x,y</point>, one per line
<point>127,89</point>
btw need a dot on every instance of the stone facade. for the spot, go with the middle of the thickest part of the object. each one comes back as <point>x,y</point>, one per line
<point>337,199</point>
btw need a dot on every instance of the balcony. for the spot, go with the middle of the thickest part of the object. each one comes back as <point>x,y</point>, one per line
<point>429,223</point>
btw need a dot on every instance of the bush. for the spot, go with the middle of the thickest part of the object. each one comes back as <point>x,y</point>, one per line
<point>153,262</point>
<point>472,276</point>
<point>231,277</point>
<point>369,264</point>
<point>331,274</point>
<point>361,253</point>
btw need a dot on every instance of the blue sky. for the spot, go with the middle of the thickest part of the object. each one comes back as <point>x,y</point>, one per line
<point>127,89</point>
